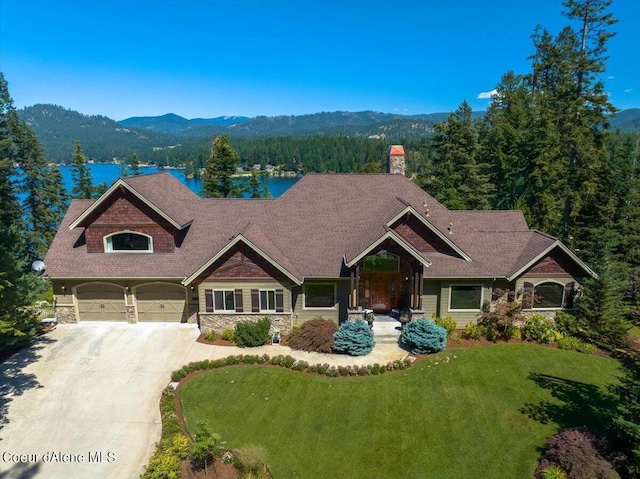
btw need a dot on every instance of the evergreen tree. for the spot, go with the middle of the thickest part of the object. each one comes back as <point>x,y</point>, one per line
<point>44,203</point>
<point>566,80</point>
<point>504,146</point>
<point>134,166</point>
<point>18,325</point>
<point>218,181</point>
<point>600,311</point>
<point>255,187</point>
<point>457,179</point>
<point>81,175</point>
<point>624,426</point>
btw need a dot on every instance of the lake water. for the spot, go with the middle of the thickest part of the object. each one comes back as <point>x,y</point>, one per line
<point>109,173</point>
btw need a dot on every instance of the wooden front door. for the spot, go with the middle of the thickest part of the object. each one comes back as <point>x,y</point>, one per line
<point>381,291</point>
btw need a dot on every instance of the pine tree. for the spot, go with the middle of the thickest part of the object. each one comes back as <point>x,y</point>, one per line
<point>253,185</point>
<point>134,166</point>
<point>17,325</point>
<point>44,203</point>
<point>600,310</point>
<point>218,181</point>
<point>569,91</point>
<point>81,175</point>
<point>457,179</point>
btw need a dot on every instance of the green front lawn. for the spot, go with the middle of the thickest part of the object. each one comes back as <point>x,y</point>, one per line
<point>464,413</point>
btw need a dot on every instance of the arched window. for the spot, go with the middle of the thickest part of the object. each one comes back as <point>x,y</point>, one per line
<point>128,242</point>
<point>548,295</point>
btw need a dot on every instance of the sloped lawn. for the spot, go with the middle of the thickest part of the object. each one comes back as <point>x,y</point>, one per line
<point>465,413</point>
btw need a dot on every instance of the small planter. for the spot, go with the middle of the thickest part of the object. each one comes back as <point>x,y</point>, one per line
<point>368,317</point>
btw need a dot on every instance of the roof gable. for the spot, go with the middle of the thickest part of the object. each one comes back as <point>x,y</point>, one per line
<point>389,235</point>
<point>559,257</point>
<point>166,196</point>
<point>243,238</point>
<point>423,235</point>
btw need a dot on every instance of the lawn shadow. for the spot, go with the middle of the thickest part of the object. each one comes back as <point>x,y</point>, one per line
<point>21,470</point>
<point>14,381</point>
<point>577,404</point>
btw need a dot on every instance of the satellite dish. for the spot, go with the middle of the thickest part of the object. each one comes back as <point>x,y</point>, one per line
<point>38,266</point>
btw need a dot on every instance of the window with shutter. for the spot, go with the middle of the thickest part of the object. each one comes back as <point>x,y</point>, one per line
<point>279,301</point>
<point>238,296</point>
<point>255,301</point>
<point>527,296</point>
<point>208,300</point>
<point>569,294</point>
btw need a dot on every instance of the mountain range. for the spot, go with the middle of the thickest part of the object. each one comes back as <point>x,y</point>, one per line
<point>103,139</point>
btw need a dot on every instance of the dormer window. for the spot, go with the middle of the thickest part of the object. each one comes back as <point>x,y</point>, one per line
<point>128,242</point>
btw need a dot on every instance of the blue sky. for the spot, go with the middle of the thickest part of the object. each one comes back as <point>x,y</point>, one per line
<point>199,58</point>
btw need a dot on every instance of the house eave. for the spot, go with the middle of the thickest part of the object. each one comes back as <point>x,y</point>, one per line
<point>230,245</point>
<point>546,251</point>
<point>427,223</point>
<point>114,187</point>
<point>388,235</point>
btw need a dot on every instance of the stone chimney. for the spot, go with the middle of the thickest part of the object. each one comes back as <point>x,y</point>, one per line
<point>396,160</point>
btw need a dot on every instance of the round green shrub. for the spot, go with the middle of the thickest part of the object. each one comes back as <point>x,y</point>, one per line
<point>424,337</point>
<point>229,335</point>
<point>354,338</point>
<point>252,333</point>
<point>472,331</point>
<point>539,329</point>
<point>447,323</point>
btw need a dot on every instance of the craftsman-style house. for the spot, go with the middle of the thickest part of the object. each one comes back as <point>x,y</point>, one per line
<point>149,249</point>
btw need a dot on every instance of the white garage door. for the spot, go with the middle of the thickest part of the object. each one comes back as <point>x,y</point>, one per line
<point>101,302</point>
<point>161,302</point>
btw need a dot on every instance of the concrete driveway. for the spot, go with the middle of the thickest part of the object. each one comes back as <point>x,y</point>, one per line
<point>83,401</point>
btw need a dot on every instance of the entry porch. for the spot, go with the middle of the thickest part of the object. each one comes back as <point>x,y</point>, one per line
<point>386,281</point>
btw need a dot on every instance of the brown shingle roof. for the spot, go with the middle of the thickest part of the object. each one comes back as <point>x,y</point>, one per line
<point>167,193</point>
<point>308,231</point>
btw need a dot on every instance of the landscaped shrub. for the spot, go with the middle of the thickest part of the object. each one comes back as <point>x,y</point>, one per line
<point>424,337</point>
<point>447,323</point>
<point>354,338</point>
<point>251,461</point>
<point>566,323</point>
<point>539,329</point>
<point>513,332</point>
<point>315,335</point>
<point>173,446</point>
<point>210,336</point>
<point>203,445</point>
<point>252,333</point>
<point>553,472</point>
<point>229,335</point>
<point>472,331</point>
<point>500,317</point>
<point>576,451</point>
<point>575,344</point>
<point>162,465</point>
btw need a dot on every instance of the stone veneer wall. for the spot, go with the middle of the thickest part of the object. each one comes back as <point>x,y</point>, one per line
<point>192,314</point>
<point>219,322</point>
<point>131,315</point>
<point>66,314</point>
